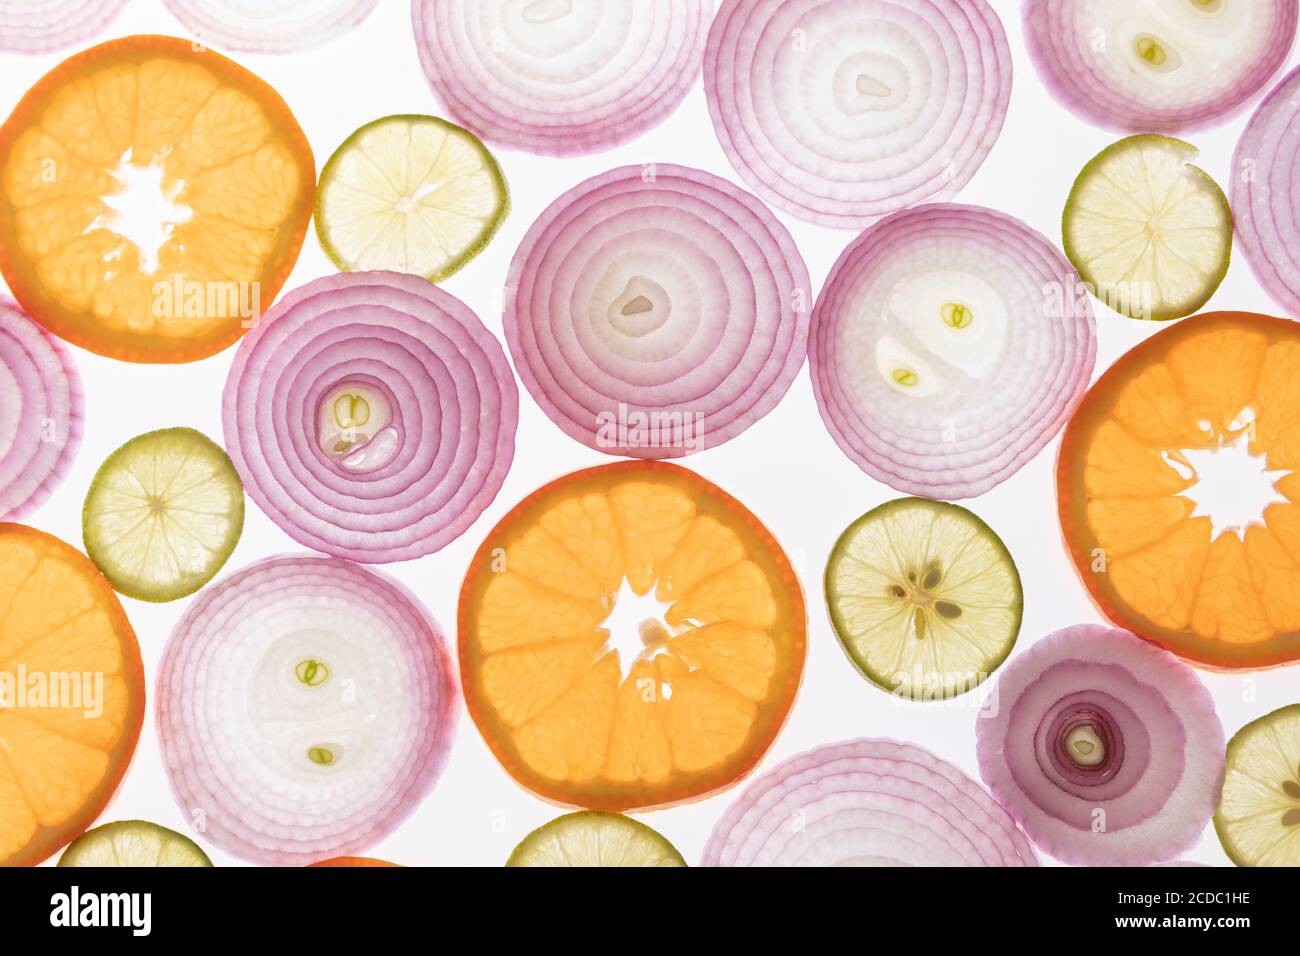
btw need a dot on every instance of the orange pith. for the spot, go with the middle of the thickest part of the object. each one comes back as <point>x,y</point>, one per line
<point>227,149</point>
<point>699,707</point>
<point>1230,600</point>
<point>60,624</point>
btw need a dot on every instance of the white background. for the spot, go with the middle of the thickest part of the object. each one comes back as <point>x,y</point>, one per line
<point>786,468</point>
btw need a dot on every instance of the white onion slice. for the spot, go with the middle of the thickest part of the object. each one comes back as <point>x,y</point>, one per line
<point>371,415</point>
<point>305,707</point>
<point>1105,748</point>
<point>41,413</point>
<point>560,77</point>
<point>842,111</point>
<point>1158,65</point>
<point>949,345</point>
<point>44,26</point>
<point>866,803</point>
<point>269,26</point>
<point>656,311</point>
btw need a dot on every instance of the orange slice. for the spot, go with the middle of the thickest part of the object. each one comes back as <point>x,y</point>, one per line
<point>351,862</point>
<point>589,706</point>
<point>1202,561</point>
<point>71,694</point>
<point>153,199</point>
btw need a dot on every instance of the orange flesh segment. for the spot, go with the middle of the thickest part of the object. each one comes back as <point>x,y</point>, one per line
<point>713,680</point>
<point>226,153</point>
<point>1227,599</point>
<point>72,689</point>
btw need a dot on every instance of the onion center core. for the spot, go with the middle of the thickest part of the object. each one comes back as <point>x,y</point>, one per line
<point>546,11</point>
<point>1156,55</point>
<point>1085,747</point>
<point>641,308</point>
<point>356,427</point>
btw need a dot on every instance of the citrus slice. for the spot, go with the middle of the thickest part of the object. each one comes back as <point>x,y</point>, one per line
<point>924,598</point>
<point>1258,820</point>
<point>1149,233</point>
<point>351,862</point>
<point>411,194</point>
<point>71,694</point>
<point>1177,495</point>
<point>630,637</point>
<point>153,199</point>
<point>163,514</point>
<point>594,838</point>
<point>133,843</point>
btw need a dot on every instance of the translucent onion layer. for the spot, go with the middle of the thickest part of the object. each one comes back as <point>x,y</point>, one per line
<point>44,26</point>
<point>269,26</point>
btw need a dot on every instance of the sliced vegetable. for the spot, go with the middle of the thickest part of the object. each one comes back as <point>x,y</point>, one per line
<point>1258,820</point>
<point>949,345</point>
<point>556,77</point>
<point>269,26</point>
<point>843,111</point>
<point>371,416</point>
<point>1150,233</point>
<point>657,311</point>
<point>593,838</point>
<point>1105,749</point>
<point>49,25</point>
<point>305,708</point>
<point>41,413</point>
<point>866,803</point>
<point>133,843</point>
<point>352,862</point>
<point>1158,65</point>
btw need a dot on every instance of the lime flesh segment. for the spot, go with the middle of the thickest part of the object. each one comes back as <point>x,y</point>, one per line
<point>163,514</point>
<point>924,598</point>
<point>133,843</point>
<point>1149,233</point>
<point>594,838</point>
<point>1258,820</point>
<point>411,194</point>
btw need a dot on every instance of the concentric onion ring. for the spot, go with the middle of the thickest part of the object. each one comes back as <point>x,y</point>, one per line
<point>371,416</point>
<point>867,803</point>
<point>1105,748</point>
<point>657,311</point>
<point>1158,66</point>
<point>559,77</point>
<point>269,26</point>
<point>305,707</point>
<point>843,111</point>
<point>41,412</point>
<point>948,346</point>
<point>43,26</point>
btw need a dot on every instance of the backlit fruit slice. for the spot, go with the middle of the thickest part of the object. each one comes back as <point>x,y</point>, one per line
<point>924,598</point>
<point>351,862</point>
<point>71,694</point>
<point>133,843</point>
<point>1149,233</point>
<point>163,514</point>
<point>1258,820</point>
<point>593,838</point>
<point>1176,490</point>
<point>630,637</point>
<point>153,199</point>
<point>411,194</point>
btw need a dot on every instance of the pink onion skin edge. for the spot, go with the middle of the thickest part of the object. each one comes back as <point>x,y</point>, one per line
<point>219,35</point>
<point>1059,69</point>
<point>1195,709</point>
<point>76,423</point>
<point>89,16</point>
<point>446,719</point>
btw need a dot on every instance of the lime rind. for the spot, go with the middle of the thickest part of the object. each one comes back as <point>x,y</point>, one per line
<point>133,843</point>
<point>1252,795</point>
<point>354,144</point>
<point>594,838</point>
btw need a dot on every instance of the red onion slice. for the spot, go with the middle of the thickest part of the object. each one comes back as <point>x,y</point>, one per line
<point>269,26</point>
<point>1147,66</point>
<point>560,77</point>
<point>1105,748</point>
<point>656,311</point>
<point>949,345</point>
<point>43,26</point>
<point>305,707</point>
<point>371,415</point>
<point>866,803</point>
<point>41,413</point>
<point>843,111</point>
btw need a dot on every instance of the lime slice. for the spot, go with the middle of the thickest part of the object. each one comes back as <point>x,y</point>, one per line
<point>412,194</point>
<point>163,514</point>
<point>133,843</point>
<point>1149,233</point>
<point>924,597</point>
<point>1258,820</point>
<point>594,838</point>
